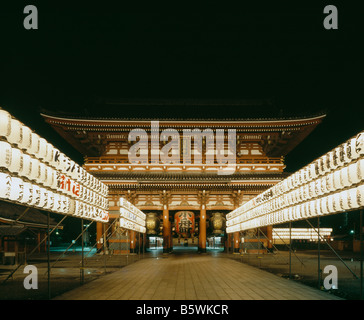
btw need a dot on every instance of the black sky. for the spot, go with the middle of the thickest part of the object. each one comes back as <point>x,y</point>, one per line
<point>81,54</point>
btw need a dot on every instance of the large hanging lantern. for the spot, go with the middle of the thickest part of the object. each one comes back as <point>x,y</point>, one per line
<point>185,223</point>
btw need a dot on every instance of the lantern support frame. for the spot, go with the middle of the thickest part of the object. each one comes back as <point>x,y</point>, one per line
<point>332,249</point>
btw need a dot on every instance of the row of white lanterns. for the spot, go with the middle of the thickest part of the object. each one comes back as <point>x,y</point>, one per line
<point>331,204</point>
<point>342,156</point>
<point>16,190</point>
<point>22,165</point>
<point>333,181</point>
<point>131,217</point>
<point>127,224</point>
<point>330,191</point>
<point>32,145</point>
<point>30,162</point>
<point>300,233</point>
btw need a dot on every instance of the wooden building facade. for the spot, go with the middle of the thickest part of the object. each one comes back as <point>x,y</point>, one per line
<point>165,190</point>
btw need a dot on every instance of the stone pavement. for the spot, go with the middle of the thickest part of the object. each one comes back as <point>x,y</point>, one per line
<point>193,277</point>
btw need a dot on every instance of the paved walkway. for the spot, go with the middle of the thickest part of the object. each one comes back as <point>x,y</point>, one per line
<point>193,277</point>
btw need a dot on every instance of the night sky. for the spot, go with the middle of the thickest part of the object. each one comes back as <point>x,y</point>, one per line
<point>82,54</point>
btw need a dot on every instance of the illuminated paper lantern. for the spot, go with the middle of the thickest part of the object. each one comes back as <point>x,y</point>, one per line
<point>5,154</point>
<point>333,160</point>
<point>42,152</point>
<point>353,173</point>
<point>352,198</point>
<point>17,189</point>
<point>62,182</point>
<point>338,184</point>
<point>313,188</point>
<point>325,164</point>
<point>16,165</point>
<point>330,204</point>
<point>27,193</point>
<point>360,195</point>
<point>74,171</point>
<point>26,138</point>
<point>324,205</point>
<point>353,147</point>
<point>34,145</point>
<point>312,208</point>
<point>71,207</point>
<point>306,192</point>
<point>65,203</point>
<point>43,196</point>
<point>320,166</point>
<point>27,166</point>
<point>344,176</point>
<point>359,144</point>
<point>78,209</point>
<point>324,187</point>
<point>35,169</point>
<point>15,136</point>
<point>42,174</point>
<point>48,177</point>
<point>5,123</point>
<point>50,202</point>
<point>5,185</point>
<point>291,212</point>
<point>56,159</point>
<point>337,202</point>
<point>36,195</point>
<point>57,203</point>
<point>49,154</point>
<point>330,182</point>
<point>339,155</point>
<point>347,152</point>
<point>306,209</point>
<point>344,204</point>
<point>360,169</point>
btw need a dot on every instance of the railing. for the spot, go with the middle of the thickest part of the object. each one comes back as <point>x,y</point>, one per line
<point>124,160</point>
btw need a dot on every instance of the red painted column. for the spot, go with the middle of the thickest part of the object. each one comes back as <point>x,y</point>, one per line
<point>236,242</point>
<point>166,229</point>
<point>98,235</point>
<point>132,241</point>
<point>202,229</point>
